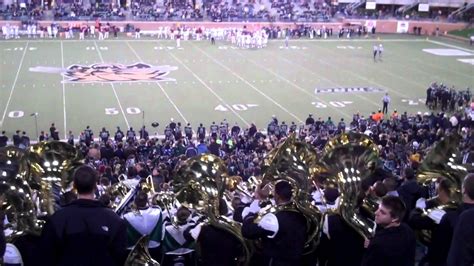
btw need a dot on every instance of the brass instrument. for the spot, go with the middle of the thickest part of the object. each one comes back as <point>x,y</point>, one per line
<point>347,159</point>
<point>126,199</point>
<point>295,162</point>
<point>199,184</point>
<point>126,193</point>
<point>235,186</point>
<point>16,195</point>
<point>48,167</point>
<point>139,256</point>
<point>444,160</point>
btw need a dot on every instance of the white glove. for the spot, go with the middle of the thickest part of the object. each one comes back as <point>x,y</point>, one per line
<point>436,215</point>
<point>421,203</point>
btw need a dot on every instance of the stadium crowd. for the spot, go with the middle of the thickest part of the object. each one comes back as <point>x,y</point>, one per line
<point>131,156</point>
<point>218,10</point>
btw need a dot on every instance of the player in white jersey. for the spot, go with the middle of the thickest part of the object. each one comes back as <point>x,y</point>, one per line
<point>82,32</point>
<point>28,30</point>
<point>259,41</point>
<point>380,51</point>
<point>247,41</point>
<point>101,34</point>
<point>55,31</point>
<point>265,39</point>
<point>178,39</point>
<point>50,31</point>
<point>106,32</point>
<point>16,29</point>
<point>376,51</point>
<point>33,30</point>
<point>92,30</point>
<point>5,32</point>
<point>71,32</point>
<point>233,38</point>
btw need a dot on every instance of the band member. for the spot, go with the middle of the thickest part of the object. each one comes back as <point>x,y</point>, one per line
<point>394,243</point>
<point>145,221</point>
<point>283,233</point>
<point>211,239</point>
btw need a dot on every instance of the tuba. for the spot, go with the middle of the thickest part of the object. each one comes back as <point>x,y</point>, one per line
<point>16,195</point>
<point>236,186</point>
<point>48,167</point>
<point>199,184</point>
<point>444,160</point>
<point>347,159</point>
<point>139,256</point>
<point>295,162</point>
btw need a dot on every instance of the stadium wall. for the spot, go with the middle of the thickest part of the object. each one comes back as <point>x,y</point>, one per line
<point>382,26</point>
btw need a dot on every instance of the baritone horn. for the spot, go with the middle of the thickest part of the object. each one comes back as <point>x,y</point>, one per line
<point>140,256</point>
<point>49,167</point>
<point>348,158</point>
<point>16,195</point>
<point>296,163</point>
<point>443,161</point>
<point>199,184</point>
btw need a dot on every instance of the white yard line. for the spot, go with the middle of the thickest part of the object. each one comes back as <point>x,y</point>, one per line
<point>211,90</point>
<point>14,83</point>
<point>370,81</point>
<point>113,87</point>
<point>250,85</point>
<point>64,91</point>
<point>451,46</point>
<point>330,81</point>
<point>161,87</point>
<point>297,86</point>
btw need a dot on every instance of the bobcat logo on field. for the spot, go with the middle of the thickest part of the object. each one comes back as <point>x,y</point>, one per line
<point>109,73</point>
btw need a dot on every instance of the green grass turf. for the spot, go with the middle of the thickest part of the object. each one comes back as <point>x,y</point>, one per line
<point>248,85</point>
<point>466,33</point>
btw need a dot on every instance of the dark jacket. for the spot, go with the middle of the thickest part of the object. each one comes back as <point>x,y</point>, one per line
<point>217,246</point>
<point>410,191</point>
<point>341,237</point>
<point>286,248</point>
<point>462,245</point>
<point>393,246</point>
<point>3,141</point>
<point>84,233</point>
<point>441,235</point>
<point>16,140</point>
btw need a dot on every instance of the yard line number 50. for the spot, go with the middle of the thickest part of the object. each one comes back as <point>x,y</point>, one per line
<point>108,111</point>
<point>129,110</point>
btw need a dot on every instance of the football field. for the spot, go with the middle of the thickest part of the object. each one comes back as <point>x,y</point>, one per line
<point>129,82</point>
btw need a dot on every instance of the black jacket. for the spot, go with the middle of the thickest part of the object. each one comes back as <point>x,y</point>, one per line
<point>441,235</point>
<point>393,246</point>
<point>84,233</point>
<point>462,245</point>
<point>217,246</point>
<point>286,248</point>
<point>410,191</point>
<point>3,141</point>
<point>341,237</point>
<point>16,140</point>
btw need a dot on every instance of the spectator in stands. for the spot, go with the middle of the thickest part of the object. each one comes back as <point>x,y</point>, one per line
<point>84,231</point>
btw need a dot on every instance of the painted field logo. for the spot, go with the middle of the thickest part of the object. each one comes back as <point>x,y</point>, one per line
<point>111,73</point>
<point>348,90</point>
